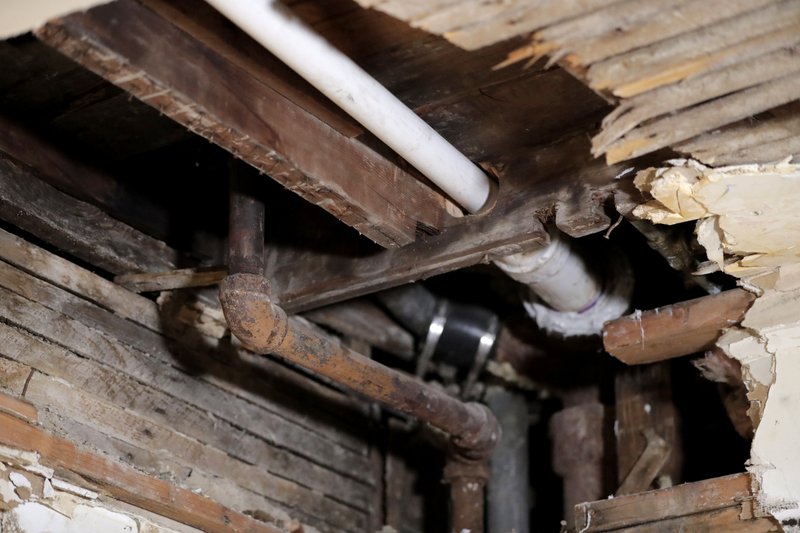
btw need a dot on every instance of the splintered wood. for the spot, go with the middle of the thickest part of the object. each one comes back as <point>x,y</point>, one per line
<point>748,224</point>
<point>679,69</point>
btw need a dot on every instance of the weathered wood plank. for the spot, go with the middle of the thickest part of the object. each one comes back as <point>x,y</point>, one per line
<point>365,321</point>
<point>265,128</point>
<point>675,330</point>
<point>626,35</point>
<point>645,413</point>
<point>183,278</point>
<point>673,98</point>
<point>681,500</point>
<point>158,408</point>
<point>733,40</point>
<point>125,483</point>
<point>19,408</point>
<point>694,121</point>
<point>76,404</point>
<point>149,461</point>
<point>76,227</point>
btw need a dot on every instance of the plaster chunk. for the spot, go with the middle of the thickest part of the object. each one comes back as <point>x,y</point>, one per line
<point>749,223</point>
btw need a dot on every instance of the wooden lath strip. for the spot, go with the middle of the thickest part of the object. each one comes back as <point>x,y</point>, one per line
<point>783,122</point>
<point>668,99</point>
<point>670,54</point>
<point>519,20</point>
<point>615,18</point>
<point>126,484</point>
<point>696,120</point>
<point>768,152</point>
<point>670,23</point>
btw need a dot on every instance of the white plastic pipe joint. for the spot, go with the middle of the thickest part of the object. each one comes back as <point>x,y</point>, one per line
<point>579,298</point>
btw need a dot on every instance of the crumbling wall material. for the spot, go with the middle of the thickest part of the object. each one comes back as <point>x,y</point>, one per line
<point>748,220</point>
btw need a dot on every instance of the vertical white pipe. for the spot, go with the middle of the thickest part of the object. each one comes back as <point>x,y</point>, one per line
<point>370,103</point>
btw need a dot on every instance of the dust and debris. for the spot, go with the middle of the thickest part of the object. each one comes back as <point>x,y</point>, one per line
<point>747,220</point>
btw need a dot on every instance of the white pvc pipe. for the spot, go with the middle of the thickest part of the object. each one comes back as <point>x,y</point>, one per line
<point>335,75</point>
<point>556,274</point>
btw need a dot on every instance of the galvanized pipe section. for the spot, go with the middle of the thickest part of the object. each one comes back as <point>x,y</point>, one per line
<point>507,498</point>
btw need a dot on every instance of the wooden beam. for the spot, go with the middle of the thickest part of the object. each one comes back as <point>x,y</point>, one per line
<point>532,184</point>
<point>125,483</point>
<point>78,228</point>
<point>362,320</point>
<point>718,504</point>
<point>237,95</point>
<point>647,428</point>
<point>675,330</point>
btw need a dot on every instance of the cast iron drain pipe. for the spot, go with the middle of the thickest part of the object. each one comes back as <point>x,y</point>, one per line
<point>264,328</point>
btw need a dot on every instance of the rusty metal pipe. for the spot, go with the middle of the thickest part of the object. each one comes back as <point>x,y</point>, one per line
<point>263,327</point>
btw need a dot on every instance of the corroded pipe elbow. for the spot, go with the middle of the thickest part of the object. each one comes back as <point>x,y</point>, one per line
<point>258,323</point>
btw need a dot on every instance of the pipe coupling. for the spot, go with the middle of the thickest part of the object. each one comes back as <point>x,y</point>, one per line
<point>476,442</point>
<point>259,324</point>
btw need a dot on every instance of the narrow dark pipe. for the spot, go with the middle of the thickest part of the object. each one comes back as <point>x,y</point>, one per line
<point>467,481</point>
<point>246,225</point>
<point>264,328</point>
<point>507,498</point>
<point>412,305</point>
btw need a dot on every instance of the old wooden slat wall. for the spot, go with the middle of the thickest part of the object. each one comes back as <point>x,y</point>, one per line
<point>107,370</point>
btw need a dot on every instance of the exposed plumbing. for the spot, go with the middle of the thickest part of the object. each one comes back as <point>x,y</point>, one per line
<point>580,297</point>
<point>264,328</point>
<point>582,300</point>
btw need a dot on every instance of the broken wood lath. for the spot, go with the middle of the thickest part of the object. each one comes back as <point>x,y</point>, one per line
<point>748,224</point>
<point>679,69</point>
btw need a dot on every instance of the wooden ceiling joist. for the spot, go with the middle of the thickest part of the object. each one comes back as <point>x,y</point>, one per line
<point>227,89</point>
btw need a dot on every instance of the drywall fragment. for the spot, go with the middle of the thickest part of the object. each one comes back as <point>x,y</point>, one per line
<point>749,223</point>
<point>34,517</point>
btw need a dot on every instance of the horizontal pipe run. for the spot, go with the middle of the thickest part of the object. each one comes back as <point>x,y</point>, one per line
<point>338,77</point>
<point>264,328</point>
<point>675,330</point>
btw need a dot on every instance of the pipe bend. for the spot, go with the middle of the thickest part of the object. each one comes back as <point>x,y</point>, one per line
<point>259,324</point>
<point>476,441</point>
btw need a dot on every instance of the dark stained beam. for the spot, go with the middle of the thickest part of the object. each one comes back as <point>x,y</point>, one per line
<point>533,185</point>
<point>193,68</point>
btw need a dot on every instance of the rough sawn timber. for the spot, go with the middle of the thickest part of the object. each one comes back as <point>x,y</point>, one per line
<point>248,107</point>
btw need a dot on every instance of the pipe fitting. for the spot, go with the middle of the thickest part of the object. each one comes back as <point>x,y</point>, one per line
<point>579,298</point>
<point>476,441</point>
<point>259,324</point>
